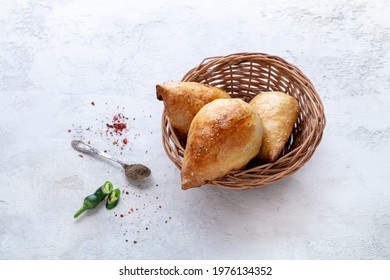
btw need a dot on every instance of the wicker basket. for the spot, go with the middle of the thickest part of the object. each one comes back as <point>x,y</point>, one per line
<point>243,75</point>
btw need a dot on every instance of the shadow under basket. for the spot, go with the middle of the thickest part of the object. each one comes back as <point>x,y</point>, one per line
<point>244,75</point>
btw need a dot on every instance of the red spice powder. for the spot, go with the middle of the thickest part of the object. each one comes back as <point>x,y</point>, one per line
<point>118,125</point>
<point>93,103</point>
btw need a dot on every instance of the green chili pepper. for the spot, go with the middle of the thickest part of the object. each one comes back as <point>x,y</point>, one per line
<point>104,190</point>
<point>93,200</point>
<point>113,199</point>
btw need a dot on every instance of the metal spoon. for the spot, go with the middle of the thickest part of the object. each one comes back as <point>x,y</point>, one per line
<point>132,171</point>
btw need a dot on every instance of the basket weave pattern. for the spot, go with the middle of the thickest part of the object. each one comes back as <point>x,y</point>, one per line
<point>244,75</point>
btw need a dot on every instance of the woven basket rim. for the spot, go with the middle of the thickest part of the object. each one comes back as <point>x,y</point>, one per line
<point>268,173</point>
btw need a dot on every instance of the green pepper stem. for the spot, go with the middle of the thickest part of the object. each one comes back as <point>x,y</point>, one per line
<point>80,211</point>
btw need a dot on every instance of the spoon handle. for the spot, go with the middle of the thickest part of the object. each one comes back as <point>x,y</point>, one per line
<point>83,147</point>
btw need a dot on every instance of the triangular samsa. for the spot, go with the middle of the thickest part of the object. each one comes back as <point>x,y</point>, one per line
<point>225,135</point>
<point>183,100</point>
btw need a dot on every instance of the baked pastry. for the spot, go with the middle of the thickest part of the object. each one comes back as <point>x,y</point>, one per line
<point>279,112</point>
<point>183,100</point>
<point>225,135</point>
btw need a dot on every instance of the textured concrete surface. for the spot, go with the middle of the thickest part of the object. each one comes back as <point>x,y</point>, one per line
<point>56,57</point>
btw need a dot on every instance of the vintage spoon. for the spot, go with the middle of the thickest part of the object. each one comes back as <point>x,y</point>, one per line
<point>132,171</point>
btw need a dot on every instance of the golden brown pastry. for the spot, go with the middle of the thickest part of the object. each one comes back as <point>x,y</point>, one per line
<point>225,135</point>
<point>279,112</point>
<point>183,100</point>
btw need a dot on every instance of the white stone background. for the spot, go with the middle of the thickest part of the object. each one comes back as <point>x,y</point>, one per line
<point>56,57</point>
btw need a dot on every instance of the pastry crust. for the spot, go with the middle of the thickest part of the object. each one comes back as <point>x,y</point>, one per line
<point>225,135</point>
<point>183,100</point>
<point>279,112</point>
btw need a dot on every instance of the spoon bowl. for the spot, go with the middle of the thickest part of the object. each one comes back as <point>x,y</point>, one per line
<point>137,171</point>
